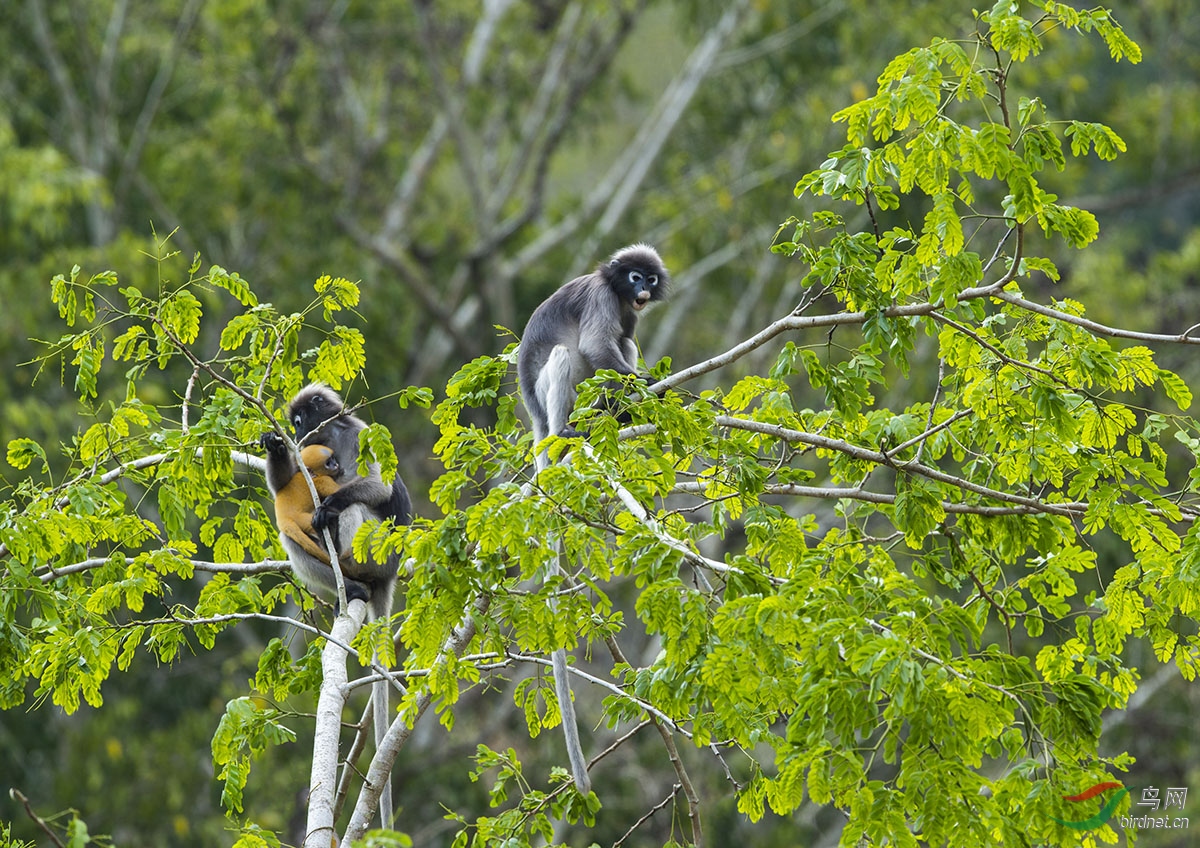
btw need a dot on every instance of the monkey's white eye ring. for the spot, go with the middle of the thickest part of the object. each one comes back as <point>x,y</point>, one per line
<point>635,277</point>
<point>652,279</point>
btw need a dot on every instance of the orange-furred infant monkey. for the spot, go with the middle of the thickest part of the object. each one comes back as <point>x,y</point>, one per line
<point>294,505</point>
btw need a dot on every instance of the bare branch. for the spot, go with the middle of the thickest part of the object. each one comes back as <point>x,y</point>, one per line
<point>554,78</point>
<point>879,458</point>
<point>319,832</point>
<point>410,276</point>
<point>778,40</point>
<point>17,796</point>
<point>267,566</point>
<point>402,726</point>
<point>452,102</point>
<point>649,814</point>
<point>481,38</point>
<point>654,133</point>
<point>1097,328</point>
<point>857,493</point>
<point>395,219</point>
<point>614,191</point>
<point>76,125</point>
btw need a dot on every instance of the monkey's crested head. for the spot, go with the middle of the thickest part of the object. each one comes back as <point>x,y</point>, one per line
<point>312,406</point>
<point>637,274</point>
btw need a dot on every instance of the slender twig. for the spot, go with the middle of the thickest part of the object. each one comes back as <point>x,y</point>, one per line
<point>685,781</point>
<point>665,801</point>
<point>17,796</point>
<point>930,429</point>
<point>618,742</point>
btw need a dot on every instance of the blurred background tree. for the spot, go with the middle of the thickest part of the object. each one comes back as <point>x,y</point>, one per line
<point>461,160</point>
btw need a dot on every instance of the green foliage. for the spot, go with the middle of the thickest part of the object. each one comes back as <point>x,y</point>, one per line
<point>856,649</point>
<point>91,584</point>
<point>245,731</point>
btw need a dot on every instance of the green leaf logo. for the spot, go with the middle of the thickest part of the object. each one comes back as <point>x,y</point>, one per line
<point>1105,812</point>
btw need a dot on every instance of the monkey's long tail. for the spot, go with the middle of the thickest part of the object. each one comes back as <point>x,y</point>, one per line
<point>380,606</point>
<point>566,709</point>
<point>562,685</point>
<point>379,703</point>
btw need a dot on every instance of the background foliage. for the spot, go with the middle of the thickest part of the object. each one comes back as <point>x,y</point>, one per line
<point>458,163</point>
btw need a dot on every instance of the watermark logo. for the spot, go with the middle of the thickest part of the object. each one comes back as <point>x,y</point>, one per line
<point>1174,796</point>
<point>1105,812</point>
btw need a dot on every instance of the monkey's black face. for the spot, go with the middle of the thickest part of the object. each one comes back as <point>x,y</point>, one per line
<point>637,282</point>
<point>311,408</point>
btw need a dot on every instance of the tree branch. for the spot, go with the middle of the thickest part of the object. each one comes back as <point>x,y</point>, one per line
<point>685,782</point>
<point>878,458</point>
<point>857,493</point>
<point>322,784</point>
<point>402,727</point>
<point>1097,328</point>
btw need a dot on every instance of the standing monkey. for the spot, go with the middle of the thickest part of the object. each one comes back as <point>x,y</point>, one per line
<point>585,326</point>
<point>330,438</point>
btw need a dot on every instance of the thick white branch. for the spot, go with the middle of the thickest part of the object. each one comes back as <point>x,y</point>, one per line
<point>322,784</point>
<point>401,729</point>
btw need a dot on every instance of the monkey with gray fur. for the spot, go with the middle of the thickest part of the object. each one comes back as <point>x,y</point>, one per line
<point>585,326</point>
<point>319,418</point>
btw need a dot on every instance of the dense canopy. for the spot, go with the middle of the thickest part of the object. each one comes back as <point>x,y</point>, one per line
<point>893,540</point>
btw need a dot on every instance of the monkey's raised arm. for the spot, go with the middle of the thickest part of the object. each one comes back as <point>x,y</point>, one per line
<point>281,464</point>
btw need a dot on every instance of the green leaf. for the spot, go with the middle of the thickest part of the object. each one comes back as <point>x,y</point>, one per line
<point>232,283</point>
<point>181,314</point>
<point>1176,389</point>
<point>22,453</point>
<point>336,293</point>
<point>340,358</point>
